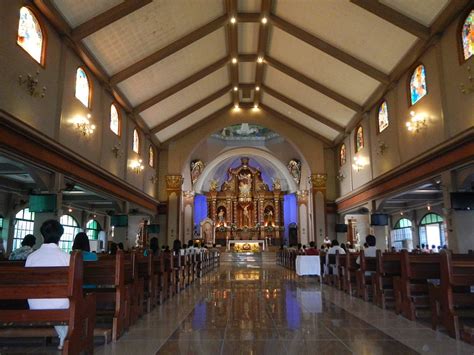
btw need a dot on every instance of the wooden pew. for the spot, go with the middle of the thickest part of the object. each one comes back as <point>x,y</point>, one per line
<point>330,271</point>
<point>412,287</point>
<point>349,272</point>
<point>389,266</point>
<point>340,266</point>
<point>146,272</point>
<point>367,268</point>
<point>170,273</point>
<point>112,288</point>
<point>160,278</point>
<point>18,283</point>
<point>452,303</point>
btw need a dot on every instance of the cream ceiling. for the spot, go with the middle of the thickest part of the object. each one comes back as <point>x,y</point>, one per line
<point>324,60</point>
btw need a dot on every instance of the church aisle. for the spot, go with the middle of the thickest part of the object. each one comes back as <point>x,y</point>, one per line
<point>247,309</point>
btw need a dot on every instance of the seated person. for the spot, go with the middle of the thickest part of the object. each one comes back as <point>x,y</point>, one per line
<point>49,254</point>
<point>81,242</point>
<point>154,246</point>
<point>26,248</point>
<point>312,249</point>
<point>371,250</point>
<point>335,247</point>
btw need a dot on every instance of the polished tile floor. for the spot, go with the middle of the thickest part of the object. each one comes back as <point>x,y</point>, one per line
<point>250,307</point>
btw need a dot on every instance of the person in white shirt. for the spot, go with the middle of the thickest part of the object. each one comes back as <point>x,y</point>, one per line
<point>371,250</point>
<point>49,254</point>
<point>335,247</point>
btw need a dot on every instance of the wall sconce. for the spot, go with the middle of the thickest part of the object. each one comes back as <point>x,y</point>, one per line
<point>340,176</point>
<point>470,86</point>
<point>154,179</point>
<point>137,166</point>
<point>116,151</point>
<point>416,122</point>
<point>31,84</point>
<point>83,125</point>
<point>381,148</point>
<point>359,163</point>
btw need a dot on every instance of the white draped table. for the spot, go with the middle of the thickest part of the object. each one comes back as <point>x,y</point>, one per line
<point>308,265</point>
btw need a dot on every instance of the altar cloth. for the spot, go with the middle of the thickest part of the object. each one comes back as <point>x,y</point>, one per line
<point>308,265</point>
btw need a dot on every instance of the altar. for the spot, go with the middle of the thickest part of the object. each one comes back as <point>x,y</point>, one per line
<point>246,246</point>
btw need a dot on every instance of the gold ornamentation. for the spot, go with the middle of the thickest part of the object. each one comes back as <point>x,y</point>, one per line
<point>318,181</point>
<point>302,197</point>
<point>213,184</point>
<point>174,182</point>
<point>31,84</point>
<point>381,148</point>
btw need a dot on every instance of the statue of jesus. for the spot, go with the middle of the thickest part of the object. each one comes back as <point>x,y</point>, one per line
<point>246,218</point>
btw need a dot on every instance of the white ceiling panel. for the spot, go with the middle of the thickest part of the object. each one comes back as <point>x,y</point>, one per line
<point>299,116</point>
<point>175,68</point>
<point>77,12</point>
<point>350,28</point>
<point>424,12</point>
<point>247,72</point>
<point>186,97</point>
<point>308,97</point>
<point>248,37</point>
<point>249,5</point>
<point>148,29</point>
<point>321,67</point>
<point>193,118</point>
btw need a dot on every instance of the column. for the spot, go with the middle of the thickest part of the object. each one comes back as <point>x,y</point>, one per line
<point>318,187</point>
<point>302,196</point>
<point>276,203</point>
<point>188,214</point>
<point>173,190</point>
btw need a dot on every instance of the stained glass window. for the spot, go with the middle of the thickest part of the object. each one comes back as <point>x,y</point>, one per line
<point>114,120</point>
<point>403,223</point>
<point>383,116</point>
<point>92,229</point>
<point>418,84</point>
<point>432,230</point>
<point>82,87</point>
<point>71,228</point>
<point>24,224</point>
<point>136,141</point>
<point>467,36</point>
<point>342,155</point>
<point>359,138</point>
<point>151,157</point>
<point>30,36</point>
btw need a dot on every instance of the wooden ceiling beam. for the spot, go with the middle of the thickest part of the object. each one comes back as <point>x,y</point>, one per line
<point>329,49</point>
<point>106,18</point>
<point>316,116</point>
<point>191,109</point>
<point>295,124</point>
<point>262,46</point>
<point>248,17</point>
<point>181,85</point>
<point>312,84</point>
<point>233,48</point>
<point>200,123</point>
<point>394,17</point>
<point>247,58</point>
<point>169,50</point>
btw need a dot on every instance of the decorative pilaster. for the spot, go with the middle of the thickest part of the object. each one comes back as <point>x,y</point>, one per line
<point>318,187</point>
<point>173,190</point>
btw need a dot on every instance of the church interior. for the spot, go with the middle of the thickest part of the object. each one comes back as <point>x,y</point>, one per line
<point>237,176</point>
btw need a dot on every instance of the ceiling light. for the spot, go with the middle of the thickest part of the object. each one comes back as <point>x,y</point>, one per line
<point>234,60</point>
<point>233,20</point>
<point>264,20</point>
<point>260,60</point>
<point>257,88</point>
<point>255,106</point>
<point>69,210</point>
<point>236,88</point>
<point>236,106</point>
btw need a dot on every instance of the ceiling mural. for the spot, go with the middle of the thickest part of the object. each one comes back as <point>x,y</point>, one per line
<point>245,131</point>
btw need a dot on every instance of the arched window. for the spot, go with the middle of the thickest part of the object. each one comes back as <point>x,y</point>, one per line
<point>418,84</point>
<point>30,35</point>
<point>342,155</point>
<point>83,88</point>
<point>115,120</point>
<point>136,141</point>
<point>359,139</point>
<point>92,229</point>
<point>401,235</point>
<point>151,156</point>
<point>383,117</point>
<point>24,223</point>
<point>431,230</point>
<point>71,228</point>
<point>467,36</point>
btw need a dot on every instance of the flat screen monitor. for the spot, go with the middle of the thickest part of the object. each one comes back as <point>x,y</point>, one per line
<point>120,220</point>
<point>462,201</point>
<point>42,203</point>
<point>153,228</point>
<point>378,219</point>
<point>341,228</point>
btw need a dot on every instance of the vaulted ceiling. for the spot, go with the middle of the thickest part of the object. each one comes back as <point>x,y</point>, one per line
<point>319,63</point>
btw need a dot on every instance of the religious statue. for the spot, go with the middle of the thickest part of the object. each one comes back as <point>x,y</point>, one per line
<point>221,216</point>
<point>245,184</point>
<point>276,184</point>
<point>294,167</point>
<point>246,216</point>
<point>269,216</point>
<point>197,166</point>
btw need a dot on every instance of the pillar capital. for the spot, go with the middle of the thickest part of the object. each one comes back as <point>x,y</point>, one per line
<point>318,182</point>
<point>302,196</point>
<point>173,183</point>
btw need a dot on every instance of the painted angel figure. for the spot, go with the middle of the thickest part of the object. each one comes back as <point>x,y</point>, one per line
<point>294,167</point>
<point>276,184</point>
